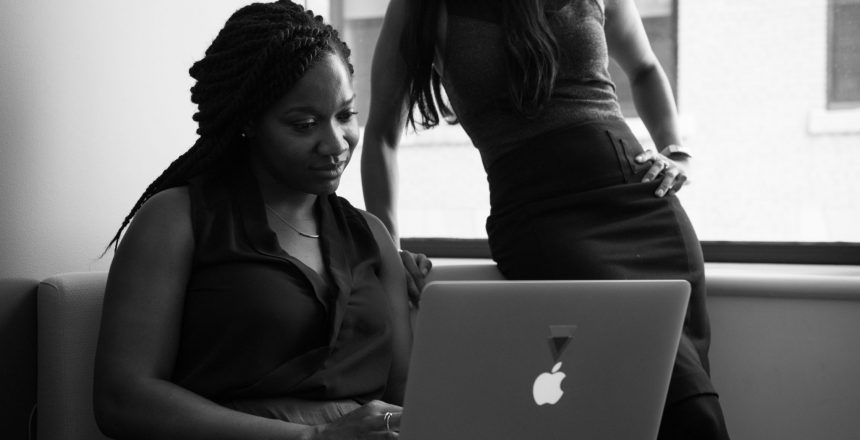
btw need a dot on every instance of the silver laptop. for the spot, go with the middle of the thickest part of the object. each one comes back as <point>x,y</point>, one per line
<point>542,359</point>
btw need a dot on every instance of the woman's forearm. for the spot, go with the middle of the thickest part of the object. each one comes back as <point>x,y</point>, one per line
<point>652,95</point>
<point>379,181</point>
<point>153,408</point>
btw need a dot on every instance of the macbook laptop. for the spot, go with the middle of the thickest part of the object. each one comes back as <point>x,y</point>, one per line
<point>542,359</point>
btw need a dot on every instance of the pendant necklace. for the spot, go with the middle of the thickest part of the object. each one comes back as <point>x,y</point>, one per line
<point>303,234</point>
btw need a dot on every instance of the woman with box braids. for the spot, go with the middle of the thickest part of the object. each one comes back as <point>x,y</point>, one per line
<point>246,299</point>
<point>261,51</point>
<point>573,193</point>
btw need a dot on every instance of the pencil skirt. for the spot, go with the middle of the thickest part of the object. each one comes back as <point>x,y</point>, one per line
<point>571,204</point>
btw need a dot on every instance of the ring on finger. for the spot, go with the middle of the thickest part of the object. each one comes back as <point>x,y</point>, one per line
<point>387,419</point>
<point>675,186</point>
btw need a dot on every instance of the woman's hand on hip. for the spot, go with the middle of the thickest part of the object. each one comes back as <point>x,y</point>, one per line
<point>672,171</point>
<point>374,420</point>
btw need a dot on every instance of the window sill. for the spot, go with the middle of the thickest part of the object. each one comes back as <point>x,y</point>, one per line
<point>744,280</point>
<point>836,253</point>
<point>825,122</point>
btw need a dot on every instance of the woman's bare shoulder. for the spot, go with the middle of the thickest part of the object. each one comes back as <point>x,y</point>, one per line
<point>169,199</point>
<point>171,204</point>
<point>164,220</point>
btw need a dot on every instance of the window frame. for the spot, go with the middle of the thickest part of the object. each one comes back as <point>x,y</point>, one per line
<point>824,253</point>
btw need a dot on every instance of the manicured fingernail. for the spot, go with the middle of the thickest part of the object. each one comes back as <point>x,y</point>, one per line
<point>660,192</point>
<point>646,180</point>
<point>640,157</point>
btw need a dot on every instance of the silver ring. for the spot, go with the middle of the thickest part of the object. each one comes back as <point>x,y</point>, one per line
<point>387,419</point>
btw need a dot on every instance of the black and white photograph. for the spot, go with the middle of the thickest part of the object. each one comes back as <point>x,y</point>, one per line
<point>429,219</point>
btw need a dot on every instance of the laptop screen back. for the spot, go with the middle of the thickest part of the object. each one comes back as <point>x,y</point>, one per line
<point>542,359</point>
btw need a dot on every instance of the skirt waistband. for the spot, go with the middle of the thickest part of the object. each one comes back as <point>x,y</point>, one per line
<point>571,160</point>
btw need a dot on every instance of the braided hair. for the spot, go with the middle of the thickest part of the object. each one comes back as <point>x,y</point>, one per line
<point>259,54</point>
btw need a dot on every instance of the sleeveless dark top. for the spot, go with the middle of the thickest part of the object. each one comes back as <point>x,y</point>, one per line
<point>476,79</point>
<point>258,323</point>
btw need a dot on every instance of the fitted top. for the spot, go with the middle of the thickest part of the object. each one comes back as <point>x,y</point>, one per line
<point>475,78</point>
<point>258,323</point>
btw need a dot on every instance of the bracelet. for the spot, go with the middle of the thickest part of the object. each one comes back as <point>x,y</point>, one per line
<point>675,149</point>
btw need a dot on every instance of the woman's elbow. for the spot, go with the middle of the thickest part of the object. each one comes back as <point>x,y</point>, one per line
<point>644,73</point>
<point>113,406</point>
<point>107,409</point>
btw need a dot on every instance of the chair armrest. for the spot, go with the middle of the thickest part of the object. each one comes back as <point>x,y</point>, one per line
<point>69,314</point>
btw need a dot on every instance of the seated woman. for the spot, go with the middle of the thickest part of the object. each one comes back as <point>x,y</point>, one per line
<point>246,300</point>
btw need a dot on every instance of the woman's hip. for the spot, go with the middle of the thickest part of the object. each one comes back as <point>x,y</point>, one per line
<point>617,232</point>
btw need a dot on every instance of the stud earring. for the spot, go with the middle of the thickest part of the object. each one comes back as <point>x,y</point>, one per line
<point>246,132</point>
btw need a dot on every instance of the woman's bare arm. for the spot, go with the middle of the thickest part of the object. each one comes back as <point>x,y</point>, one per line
<point>133,395</point>
<point>386,120</point>
<point>652,93</point>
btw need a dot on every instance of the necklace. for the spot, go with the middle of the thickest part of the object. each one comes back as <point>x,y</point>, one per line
<point>303,234</point>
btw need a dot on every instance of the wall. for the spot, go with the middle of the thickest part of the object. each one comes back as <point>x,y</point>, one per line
<point>753,77</point>
<point>784,354</point>
<point>94,104</point>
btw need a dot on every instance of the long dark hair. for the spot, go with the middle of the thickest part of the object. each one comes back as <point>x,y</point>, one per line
<point>531,53</point>
<point>262,50</point>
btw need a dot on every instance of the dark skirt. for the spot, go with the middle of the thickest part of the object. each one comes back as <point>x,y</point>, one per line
<point>570,204</point>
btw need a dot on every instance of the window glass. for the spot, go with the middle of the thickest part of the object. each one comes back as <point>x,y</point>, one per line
<point>773,161</point>
<point>845,53</point>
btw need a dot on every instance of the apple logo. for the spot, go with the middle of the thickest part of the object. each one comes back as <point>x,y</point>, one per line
<point>547,386</point>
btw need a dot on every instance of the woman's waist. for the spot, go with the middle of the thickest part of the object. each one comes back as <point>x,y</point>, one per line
<point>567,160</point>
<point>508,131</point>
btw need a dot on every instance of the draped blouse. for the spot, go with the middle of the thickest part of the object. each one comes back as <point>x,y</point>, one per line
<point>258,323</point>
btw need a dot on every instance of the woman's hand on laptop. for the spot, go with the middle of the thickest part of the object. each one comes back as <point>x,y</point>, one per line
<point>374,420</point>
